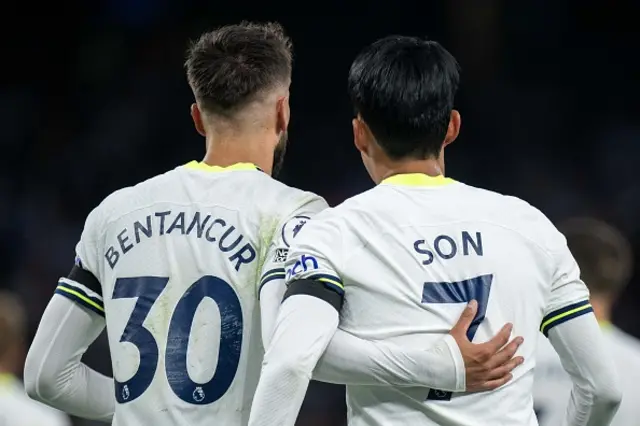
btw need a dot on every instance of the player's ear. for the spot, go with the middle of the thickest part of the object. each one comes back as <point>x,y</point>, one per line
<point>196,114</point>
<point>454,128</point>
<point>360,135</point>
<point>283,114</point>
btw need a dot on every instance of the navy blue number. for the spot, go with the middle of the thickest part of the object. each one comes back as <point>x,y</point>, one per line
<point>230,341</point>
<point>477,289</point>
<point>147,290</point>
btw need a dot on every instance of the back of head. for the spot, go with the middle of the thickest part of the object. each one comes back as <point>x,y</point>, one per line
<point>234,65</point>
<point>602,253</point>
<point>403,88</point>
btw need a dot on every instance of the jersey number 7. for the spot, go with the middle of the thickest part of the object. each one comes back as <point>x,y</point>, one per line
<point>146,290</point>
<point>477,289</point>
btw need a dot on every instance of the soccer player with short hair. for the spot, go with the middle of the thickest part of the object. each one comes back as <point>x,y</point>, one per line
<point>606,263</point>
<point>174,265</point>
<point>397,264</point>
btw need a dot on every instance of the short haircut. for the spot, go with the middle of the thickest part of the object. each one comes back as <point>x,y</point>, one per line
<point>235,64</point>
<point>603,254</point>
<point>403,88</point>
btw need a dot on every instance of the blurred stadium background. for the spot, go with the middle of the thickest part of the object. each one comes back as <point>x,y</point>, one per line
<point>94,98</point>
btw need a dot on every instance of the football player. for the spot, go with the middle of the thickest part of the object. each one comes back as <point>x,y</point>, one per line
<point>173,266</point>
<point>397,264</point>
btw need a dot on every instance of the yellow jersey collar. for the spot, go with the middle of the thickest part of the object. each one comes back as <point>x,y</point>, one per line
<point>417,179</point>
<point>199,165</point>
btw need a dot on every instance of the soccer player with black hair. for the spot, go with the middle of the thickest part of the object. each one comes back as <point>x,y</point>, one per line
<point>399,262</point>
<point>186,270</point>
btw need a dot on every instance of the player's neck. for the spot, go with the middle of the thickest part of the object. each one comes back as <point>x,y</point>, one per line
<point>225,151</point>
<point>429,167</point>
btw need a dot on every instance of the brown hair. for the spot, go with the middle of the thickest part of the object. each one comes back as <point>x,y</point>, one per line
<point>233,65</point>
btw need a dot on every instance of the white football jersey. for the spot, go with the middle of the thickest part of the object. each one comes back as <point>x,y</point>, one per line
<point>552,385</point>
<point>410,253</point>
<point>174,263</point>
<point>17,409</point>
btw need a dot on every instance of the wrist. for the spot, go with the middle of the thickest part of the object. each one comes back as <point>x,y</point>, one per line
<point>458,360</point>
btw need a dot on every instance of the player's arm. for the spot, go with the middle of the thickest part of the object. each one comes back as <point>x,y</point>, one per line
<point>271,286</point>
<point>452,364</point>
<point>307,321</point>
<point>73,319</point>
<point>305,324</point>
<point>573,331</point>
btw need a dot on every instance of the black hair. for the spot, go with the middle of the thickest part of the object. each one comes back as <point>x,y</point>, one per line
<point>233,65</point>
<point>403,88</point>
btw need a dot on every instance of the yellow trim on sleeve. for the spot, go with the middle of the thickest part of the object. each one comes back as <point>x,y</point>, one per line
<point>330,281</point>
<point>199,165</point>
<point>81,297</point>
<point>417,179</point>
<point>564,314</point>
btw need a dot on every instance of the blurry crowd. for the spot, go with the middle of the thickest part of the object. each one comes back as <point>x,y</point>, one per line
<point>96,99</point>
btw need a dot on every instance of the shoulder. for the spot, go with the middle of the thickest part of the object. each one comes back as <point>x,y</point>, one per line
<point>289,208</point>
<point>516,215</point>
<point>287,200</point>
<point>127,199</point>
<point>336,225</point>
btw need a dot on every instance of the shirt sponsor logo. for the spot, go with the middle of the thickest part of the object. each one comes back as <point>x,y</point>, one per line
<point>304,263</point>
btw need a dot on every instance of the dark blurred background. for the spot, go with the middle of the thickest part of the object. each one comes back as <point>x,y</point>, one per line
<point>94,98</point>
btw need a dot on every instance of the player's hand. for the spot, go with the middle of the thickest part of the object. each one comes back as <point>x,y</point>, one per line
<point>488,365</point>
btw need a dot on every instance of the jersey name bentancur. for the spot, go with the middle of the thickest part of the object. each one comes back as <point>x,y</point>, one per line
<point>409,254</point>
<point>174,263</point>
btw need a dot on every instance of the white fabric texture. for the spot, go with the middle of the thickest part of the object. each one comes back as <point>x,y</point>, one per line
<point>596,395</point>
<point>54,373</point>
<point>351,360</point>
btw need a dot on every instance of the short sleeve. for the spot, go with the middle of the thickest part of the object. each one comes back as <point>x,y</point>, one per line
<point>569,297</point>
<point>316,252</point>
<point>287,230</point>
<point>82,284</point>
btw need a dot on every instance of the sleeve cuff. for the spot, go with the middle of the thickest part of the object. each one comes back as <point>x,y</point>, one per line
<point>460,370</point>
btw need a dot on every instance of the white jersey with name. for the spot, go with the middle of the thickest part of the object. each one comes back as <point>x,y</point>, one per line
<point>17,409</point>
<point>552,384</point>
<point>174,263</point>
<point>410,253</point>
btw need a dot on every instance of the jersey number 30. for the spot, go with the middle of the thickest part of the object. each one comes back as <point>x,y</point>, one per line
<point>477,289</point>
<point>146,290</point>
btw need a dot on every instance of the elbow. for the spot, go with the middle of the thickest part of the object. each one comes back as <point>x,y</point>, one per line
<point>606,395</point>
<point>39,383</point>
<point>292,365</point>
<point>31,378</point>
<point>609,397</point>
